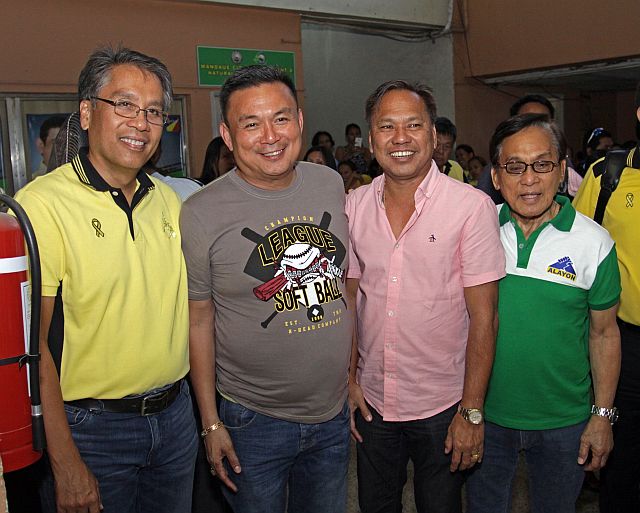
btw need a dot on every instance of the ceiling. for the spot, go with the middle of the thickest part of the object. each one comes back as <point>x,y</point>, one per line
<point>621,75</point>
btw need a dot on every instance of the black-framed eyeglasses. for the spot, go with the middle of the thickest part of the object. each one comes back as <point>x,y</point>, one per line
<point>517,167</point>
<point>126,109</point>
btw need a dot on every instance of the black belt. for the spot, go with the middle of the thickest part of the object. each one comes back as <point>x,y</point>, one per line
<point>148,404</point>
<point>628,325</point>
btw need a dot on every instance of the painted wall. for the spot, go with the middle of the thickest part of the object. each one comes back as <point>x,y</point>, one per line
<point>342,68</point>
<point>506,36</point>
<point>545,34</point>
<point>45,45</point>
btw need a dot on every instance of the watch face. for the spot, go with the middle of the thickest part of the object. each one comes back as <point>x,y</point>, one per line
<point>475,417</point>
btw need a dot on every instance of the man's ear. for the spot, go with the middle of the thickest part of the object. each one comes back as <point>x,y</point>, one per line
<point>40,145</point>
<point>494,178</point>
<point>86,109</point>
<point>226,135</point>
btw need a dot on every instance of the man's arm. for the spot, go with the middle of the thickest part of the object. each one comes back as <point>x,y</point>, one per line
<point>203,378</point>
<point>356,398</point>
<point>75,485</point>
<point>604,352</point>
<point>464,438</point>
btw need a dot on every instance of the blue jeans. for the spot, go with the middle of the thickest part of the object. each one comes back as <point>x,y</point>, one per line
<point>384,454</point>
<point>286,465</point>
<point>555,478</point>
<point>142,464</point>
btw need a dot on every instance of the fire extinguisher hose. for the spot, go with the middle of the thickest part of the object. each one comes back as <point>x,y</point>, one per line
<point>32,357</point>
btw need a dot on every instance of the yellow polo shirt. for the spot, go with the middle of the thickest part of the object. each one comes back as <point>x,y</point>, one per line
<point>123,279</point>
<point>622,220</point>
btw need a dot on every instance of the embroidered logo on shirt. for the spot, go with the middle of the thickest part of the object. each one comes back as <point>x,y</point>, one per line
<point>630,200</point>
<point>167,228</point>
<point>564,268</point>
<point>96,226</point>
<point>432,238</point>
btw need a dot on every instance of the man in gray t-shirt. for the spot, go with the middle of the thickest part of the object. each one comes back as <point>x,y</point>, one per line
<point>266,250</point>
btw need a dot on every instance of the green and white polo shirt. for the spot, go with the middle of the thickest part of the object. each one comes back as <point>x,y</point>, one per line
<point>541,373</point>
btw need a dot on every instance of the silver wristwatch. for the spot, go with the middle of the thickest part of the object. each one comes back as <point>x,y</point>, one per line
<point>609,413</point>
<point>471,415</point>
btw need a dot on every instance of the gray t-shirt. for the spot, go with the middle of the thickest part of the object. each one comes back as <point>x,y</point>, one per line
<point>275,263</point>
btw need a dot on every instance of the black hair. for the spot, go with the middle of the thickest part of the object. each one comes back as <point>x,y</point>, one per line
<point>349,163</point>
<point>350,126</point>
<point>329,160</point>
<point>421,90</point>
<point>516,124</point>
<point>480,159</point>
<point>210,169</point>
<point>466,148</point>
<point>253,76</point>
<point>444,126</point>
<point>315,141</point>
<point>532,98</point>
<point>55,121</point>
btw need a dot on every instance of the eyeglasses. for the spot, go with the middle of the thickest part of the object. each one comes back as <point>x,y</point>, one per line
<point>126,109</point>
<point>516,167</point>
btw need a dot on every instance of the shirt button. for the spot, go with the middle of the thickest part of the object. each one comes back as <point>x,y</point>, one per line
<point>394,279</point>
<point>397,245</point>
<point>390,313</point>
<point>521,245</point>
<point>115,193</point>
<point>391,375</point>
<point>388,346</point>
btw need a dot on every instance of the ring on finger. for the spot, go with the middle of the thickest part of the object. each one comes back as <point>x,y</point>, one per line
<point>212,469</point>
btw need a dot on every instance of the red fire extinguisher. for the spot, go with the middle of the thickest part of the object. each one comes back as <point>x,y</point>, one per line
<point>21,424</point>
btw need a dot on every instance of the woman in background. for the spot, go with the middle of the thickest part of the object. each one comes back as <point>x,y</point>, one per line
<point>217,161</point>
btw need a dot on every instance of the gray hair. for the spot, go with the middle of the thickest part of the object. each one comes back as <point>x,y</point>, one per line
<point>97,71</point>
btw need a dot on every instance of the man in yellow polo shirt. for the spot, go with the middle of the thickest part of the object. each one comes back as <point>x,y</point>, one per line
<point>620,478</point>
<point>118,417</point>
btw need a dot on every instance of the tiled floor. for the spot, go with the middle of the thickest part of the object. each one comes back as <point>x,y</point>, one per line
<point>587,503</point>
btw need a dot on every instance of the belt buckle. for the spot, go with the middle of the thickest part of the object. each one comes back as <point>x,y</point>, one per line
<point>154,403</point>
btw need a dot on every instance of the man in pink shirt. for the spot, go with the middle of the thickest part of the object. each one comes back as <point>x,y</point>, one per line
<point>425,258</point>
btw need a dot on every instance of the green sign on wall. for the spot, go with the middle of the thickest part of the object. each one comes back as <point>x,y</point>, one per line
<point>216,64</point>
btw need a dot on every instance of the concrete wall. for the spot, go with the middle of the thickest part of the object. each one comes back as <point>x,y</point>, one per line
<point>421,12</point>
<point>341,68</point>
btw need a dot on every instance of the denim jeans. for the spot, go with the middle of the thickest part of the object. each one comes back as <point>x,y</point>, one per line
<point>286,465</point>
<point>382,464</point>
<point>143,464</point>
<point>555,478</point>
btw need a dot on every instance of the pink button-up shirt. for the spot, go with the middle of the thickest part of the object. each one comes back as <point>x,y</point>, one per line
<point>412,316</point>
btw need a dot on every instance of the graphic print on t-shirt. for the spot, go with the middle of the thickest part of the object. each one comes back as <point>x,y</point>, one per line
<point>299,265</point>
<point>564,268</point>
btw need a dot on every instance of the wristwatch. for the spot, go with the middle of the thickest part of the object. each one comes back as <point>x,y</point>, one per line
<point>472,415</point>
<point>609,413</point>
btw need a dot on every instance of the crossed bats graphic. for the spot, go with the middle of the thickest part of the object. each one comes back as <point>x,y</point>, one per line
<point>269,288</point>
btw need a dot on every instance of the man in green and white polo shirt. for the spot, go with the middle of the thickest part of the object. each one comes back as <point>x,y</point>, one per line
<point>557,335</point>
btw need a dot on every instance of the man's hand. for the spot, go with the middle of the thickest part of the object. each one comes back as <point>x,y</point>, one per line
<point>596,438</point>
<point>219,446</point>
<point>465,442</point>
<point>356,400</point>
<point>77,489</point>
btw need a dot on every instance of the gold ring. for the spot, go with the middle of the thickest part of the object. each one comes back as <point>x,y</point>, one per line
<point>475,455</point>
